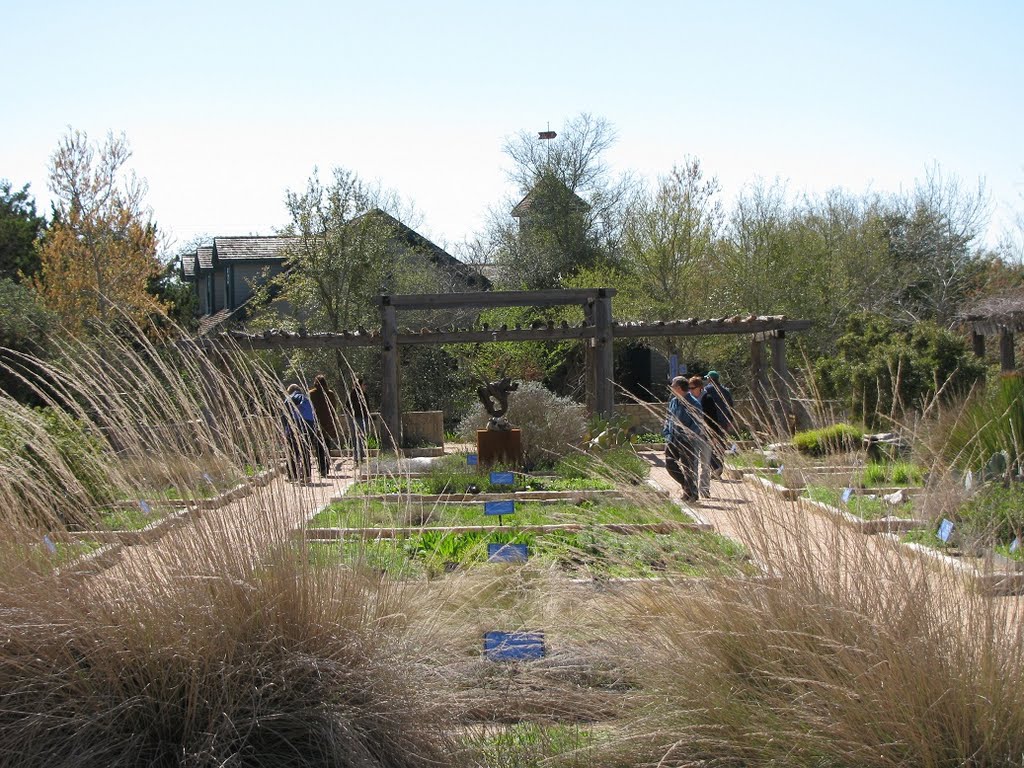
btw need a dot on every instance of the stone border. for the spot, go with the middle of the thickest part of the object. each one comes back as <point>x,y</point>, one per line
<point>626,529</point>
<point>477,498</point>
<point>93,562</point>
<point>887,524</point>
<point>988,583</point>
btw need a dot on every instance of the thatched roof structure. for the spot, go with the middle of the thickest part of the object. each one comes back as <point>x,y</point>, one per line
<point>996,314</point>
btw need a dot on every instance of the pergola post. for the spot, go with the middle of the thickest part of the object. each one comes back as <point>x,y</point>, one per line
<point>589,357</point>
<point>604,356</point>
<point>390,408</point>
<point>781,382</point>
<point>978,344</point>
<point>758,377</point>
<point>1006,358</point>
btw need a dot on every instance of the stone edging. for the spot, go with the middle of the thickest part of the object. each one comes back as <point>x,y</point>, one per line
<point>989,583</point>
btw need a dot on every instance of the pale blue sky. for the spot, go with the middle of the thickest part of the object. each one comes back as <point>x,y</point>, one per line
<point>227,105</point>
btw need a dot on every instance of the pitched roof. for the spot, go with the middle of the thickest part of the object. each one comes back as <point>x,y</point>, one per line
<point>250,248</point>
<point>188,266</point>
<point>204,257</point>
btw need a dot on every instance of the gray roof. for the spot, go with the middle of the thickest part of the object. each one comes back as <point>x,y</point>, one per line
<point>251,248</point>
<point>188,266</point>
<point>204,257</point>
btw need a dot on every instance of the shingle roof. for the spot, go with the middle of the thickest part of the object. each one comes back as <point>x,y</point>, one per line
<point>188,266</point>
<point>204,257</point>
<point>250,248</point>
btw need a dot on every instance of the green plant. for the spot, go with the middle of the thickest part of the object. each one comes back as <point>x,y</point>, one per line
<point>551,426</point>
<point>835,438</point>
<point>991,424</point>
<point>902,473</point>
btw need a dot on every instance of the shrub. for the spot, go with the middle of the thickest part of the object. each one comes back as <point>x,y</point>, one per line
<point>992,423</point>
<point>835,438</point>
<point>551,426</point>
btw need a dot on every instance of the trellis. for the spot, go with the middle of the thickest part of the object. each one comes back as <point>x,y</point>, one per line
<point>598,331</point>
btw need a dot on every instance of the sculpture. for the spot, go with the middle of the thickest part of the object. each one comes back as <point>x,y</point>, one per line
<point>494,397</point>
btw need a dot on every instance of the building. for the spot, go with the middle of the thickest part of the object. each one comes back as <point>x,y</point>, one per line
<point>227,273</point>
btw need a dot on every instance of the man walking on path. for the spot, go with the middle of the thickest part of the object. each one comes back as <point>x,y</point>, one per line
<point>325,405</point>
<point>717,403</point>
<point>682,433</point>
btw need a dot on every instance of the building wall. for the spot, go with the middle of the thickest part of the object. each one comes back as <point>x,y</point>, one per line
<point>248,277</point>
<point>218,292</point>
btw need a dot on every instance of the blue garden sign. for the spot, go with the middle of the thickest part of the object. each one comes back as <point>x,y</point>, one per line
<point>507,507</point>
<point>945,530</point>
<point>845,498</point>
<point>507,553</point>
<point>471,459</point>
<point>514,646</point>
<point>502,478</point>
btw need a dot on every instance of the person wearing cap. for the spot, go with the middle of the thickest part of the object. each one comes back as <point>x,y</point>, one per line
<point>717,403</point>
<point>682,433</point>
<point>299,425</point>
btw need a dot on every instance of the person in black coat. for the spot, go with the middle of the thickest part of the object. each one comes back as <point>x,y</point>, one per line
<point>717,403</point>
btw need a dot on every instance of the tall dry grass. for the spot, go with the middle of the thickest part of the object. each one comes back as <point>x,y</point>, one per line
<point>220,644</point>
<point>851,654</point>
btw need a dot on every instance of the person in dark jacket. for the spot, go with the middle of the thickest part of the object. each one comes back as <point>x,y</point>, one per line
<point>325,406</point>
<point>682,433</point>
<point>299,426</point>
<point>359,418</point>
<point>718,406</point>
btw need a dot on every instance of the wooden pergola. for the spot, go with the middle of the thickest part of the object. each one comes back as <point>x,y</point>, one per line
<point>998,316</point>
<point>598,331</point>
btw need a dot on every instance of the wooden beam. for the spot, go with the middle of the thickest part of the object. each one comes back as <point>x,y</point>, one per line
<point>781,381</point>
<point>763,329</point>
<point>486,299</point>
<point>758,379</point>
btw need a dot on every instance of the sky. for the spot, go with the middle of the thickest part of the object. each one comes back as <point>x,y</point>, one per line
<point>227,105</point>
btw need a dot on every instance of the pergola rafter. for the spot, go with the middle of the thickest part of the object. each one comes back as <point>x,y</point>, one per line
<point>598,331</point>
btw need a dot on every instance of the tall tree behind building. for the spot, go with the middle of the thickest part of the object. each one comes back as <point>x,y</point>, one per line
<point>100,252</point>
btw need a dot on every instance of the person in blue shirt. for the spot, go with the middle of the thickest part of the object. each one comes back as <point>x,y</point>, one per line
<point>683,437</point>
<point>299,429</point>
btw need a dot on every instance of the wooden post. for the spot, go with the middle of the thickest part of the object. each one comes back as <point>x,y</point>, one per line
<point>604,356</point>
<point>589,358</point>
<point>758,383</point>
<point>781,382</point>
<point>1006,361</point>
<point>978,343</point>
<point>390,408</point>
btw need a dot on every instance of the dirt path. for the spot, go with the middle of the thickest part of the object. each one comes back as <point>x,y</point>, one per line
<point>773,528</point>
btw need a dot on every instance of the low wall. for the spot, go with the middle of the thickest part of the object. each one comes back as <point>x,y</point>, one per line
<point>418,427</point>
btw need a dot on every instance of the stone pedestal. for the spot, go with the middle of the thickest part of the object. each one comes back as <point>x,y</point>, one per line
<point>499,446</point>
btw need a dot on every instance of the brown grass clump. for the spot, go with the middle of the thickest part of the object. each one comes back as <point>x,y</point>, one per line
<point>220,644</point>
<point>851,655</point>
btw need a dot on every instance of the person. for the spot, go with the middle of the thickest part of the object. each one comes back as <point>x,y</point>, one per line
<point>299,425</point>
<point>682,432</point>
<point>359,418</point>
<point>325,407</point>
<point>718,415</point>
<point>702,443</point>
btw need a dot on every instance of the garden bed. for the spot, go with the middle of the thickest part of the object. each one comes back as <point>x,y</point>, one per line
<point>644,552</point>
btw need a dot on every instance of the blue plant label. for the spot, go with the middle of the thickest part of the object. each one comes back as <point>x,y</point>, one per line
<point>968,480</point>
<point>471,459</point>
<point>945,530</point>
<point>502,478</point>
<point>144,506</point>
<point>847,493</point>
<point>50,546</point>
<point>207,478</point>
<point>507,553</point>
<point>779,470</point>
<point>499,507</point>
<point>1015,545</point>
<point>514,646</point>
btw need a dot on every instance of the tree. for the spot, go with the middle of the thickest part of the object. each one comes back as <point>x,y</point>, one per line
<point>346,251</point>
<point>99,255</point>
<point>932,249</point>
<point>570,206</point>
<point>24,327</point>
<point>19,229</point>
